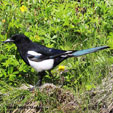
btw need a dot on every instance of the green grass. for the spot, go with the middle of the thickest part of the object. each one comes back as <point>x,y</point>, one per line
<point>62,24</point>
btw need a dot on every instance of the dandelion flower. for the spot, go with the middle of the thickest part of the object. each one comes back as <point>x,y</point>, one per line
<point>3,21</point>
<point>23,8</point>
<point>61,68</point>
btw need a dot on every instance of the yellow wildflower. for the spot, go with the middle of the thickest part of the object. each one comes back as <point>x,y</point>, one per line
<point>61,68</point>
<point>3,21</point>
<point>23,8</point>
<point>37,37</point>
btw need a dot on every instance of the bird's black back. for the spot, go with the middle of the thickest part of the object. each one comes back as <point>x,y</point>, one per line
<point>27,45</point>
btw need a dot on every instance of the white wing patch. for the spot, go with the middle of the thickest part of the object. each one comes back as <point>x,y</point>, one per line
<point>34,53</point>
<point>64,56</point>
<point>68,51</point>
<point>67,54</point>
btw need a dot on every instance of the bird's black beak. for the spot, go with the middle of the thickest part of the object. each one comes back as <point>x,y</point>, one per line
<point>8,40</point>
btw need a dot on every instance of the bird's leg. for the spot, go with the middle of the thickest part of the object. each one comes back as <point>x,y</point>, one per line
<point>41,75</point>
<point>39,83</point>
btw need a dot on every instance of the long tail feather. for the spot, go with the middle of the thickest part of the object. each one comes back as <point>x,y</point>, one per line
<point>86,51</point>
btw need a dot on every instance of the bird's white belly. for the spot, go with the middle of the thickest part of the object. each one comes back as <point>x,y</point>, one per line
<point>42,65</point>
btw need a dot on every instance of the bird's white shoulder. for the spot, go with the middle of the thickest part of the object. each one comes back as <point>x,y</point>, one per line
<point>34,53</point>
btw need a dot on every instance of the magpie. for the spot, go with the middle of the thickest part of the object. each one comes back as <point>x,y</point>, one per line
<point>42,58</point>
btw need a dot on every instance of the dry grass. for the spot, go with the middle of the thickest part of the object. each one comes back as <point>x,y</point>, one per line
<point>98,100</point>
<point>101,98</point>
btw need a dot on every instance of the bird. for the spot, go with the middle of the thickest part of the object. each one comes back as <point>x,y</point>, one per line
<point>42,58</point>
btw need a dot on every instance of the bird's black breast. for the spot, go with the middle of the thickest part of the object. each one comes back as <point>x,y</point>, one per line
<point>23,49</point>
<point>24,57</point>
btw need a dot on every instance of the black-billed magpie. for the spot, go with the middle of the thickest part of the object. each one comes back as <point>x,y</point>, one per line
<point>42,58</point>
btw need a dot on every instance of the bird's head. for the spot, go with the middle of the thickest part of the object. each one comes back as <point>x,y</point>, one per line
<point>18,38</point>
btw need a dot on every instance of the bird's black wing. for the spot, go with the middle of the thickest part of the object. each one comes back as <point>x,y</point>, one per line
<point>47,51</point>
<point>39,52</point>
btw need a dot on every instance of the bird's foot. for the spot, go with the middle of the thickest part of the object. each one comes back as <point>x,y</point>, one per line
<point>32,89</point>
